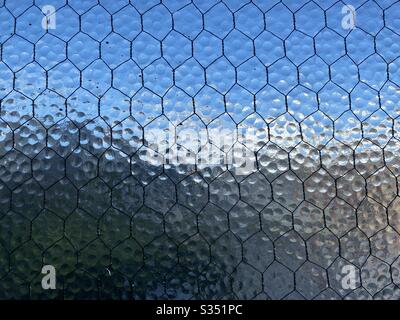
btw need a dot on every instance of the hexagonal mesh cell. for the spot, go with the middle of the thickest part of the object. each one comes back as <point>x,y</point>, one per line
<point>200,149</point>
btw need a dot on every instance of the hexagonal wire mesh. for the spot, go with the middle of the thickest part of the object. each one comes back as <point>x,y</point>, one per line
<point>200,149</point>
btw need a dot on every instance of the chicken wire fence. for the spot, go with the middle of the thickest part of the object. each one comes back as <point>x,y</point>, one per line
<point>200,149</point>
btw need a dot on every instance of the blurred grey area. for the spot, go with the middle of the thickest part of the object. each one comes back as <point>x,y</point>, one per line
<point>200,149</point>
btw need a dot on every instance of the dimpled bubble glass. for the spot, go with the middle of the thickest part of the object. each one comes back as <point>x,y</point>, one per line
<point>200,149</point>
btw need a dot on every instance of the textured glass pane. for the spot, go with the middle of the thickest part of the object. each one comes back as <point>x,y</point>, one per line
<point>199,149</point>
